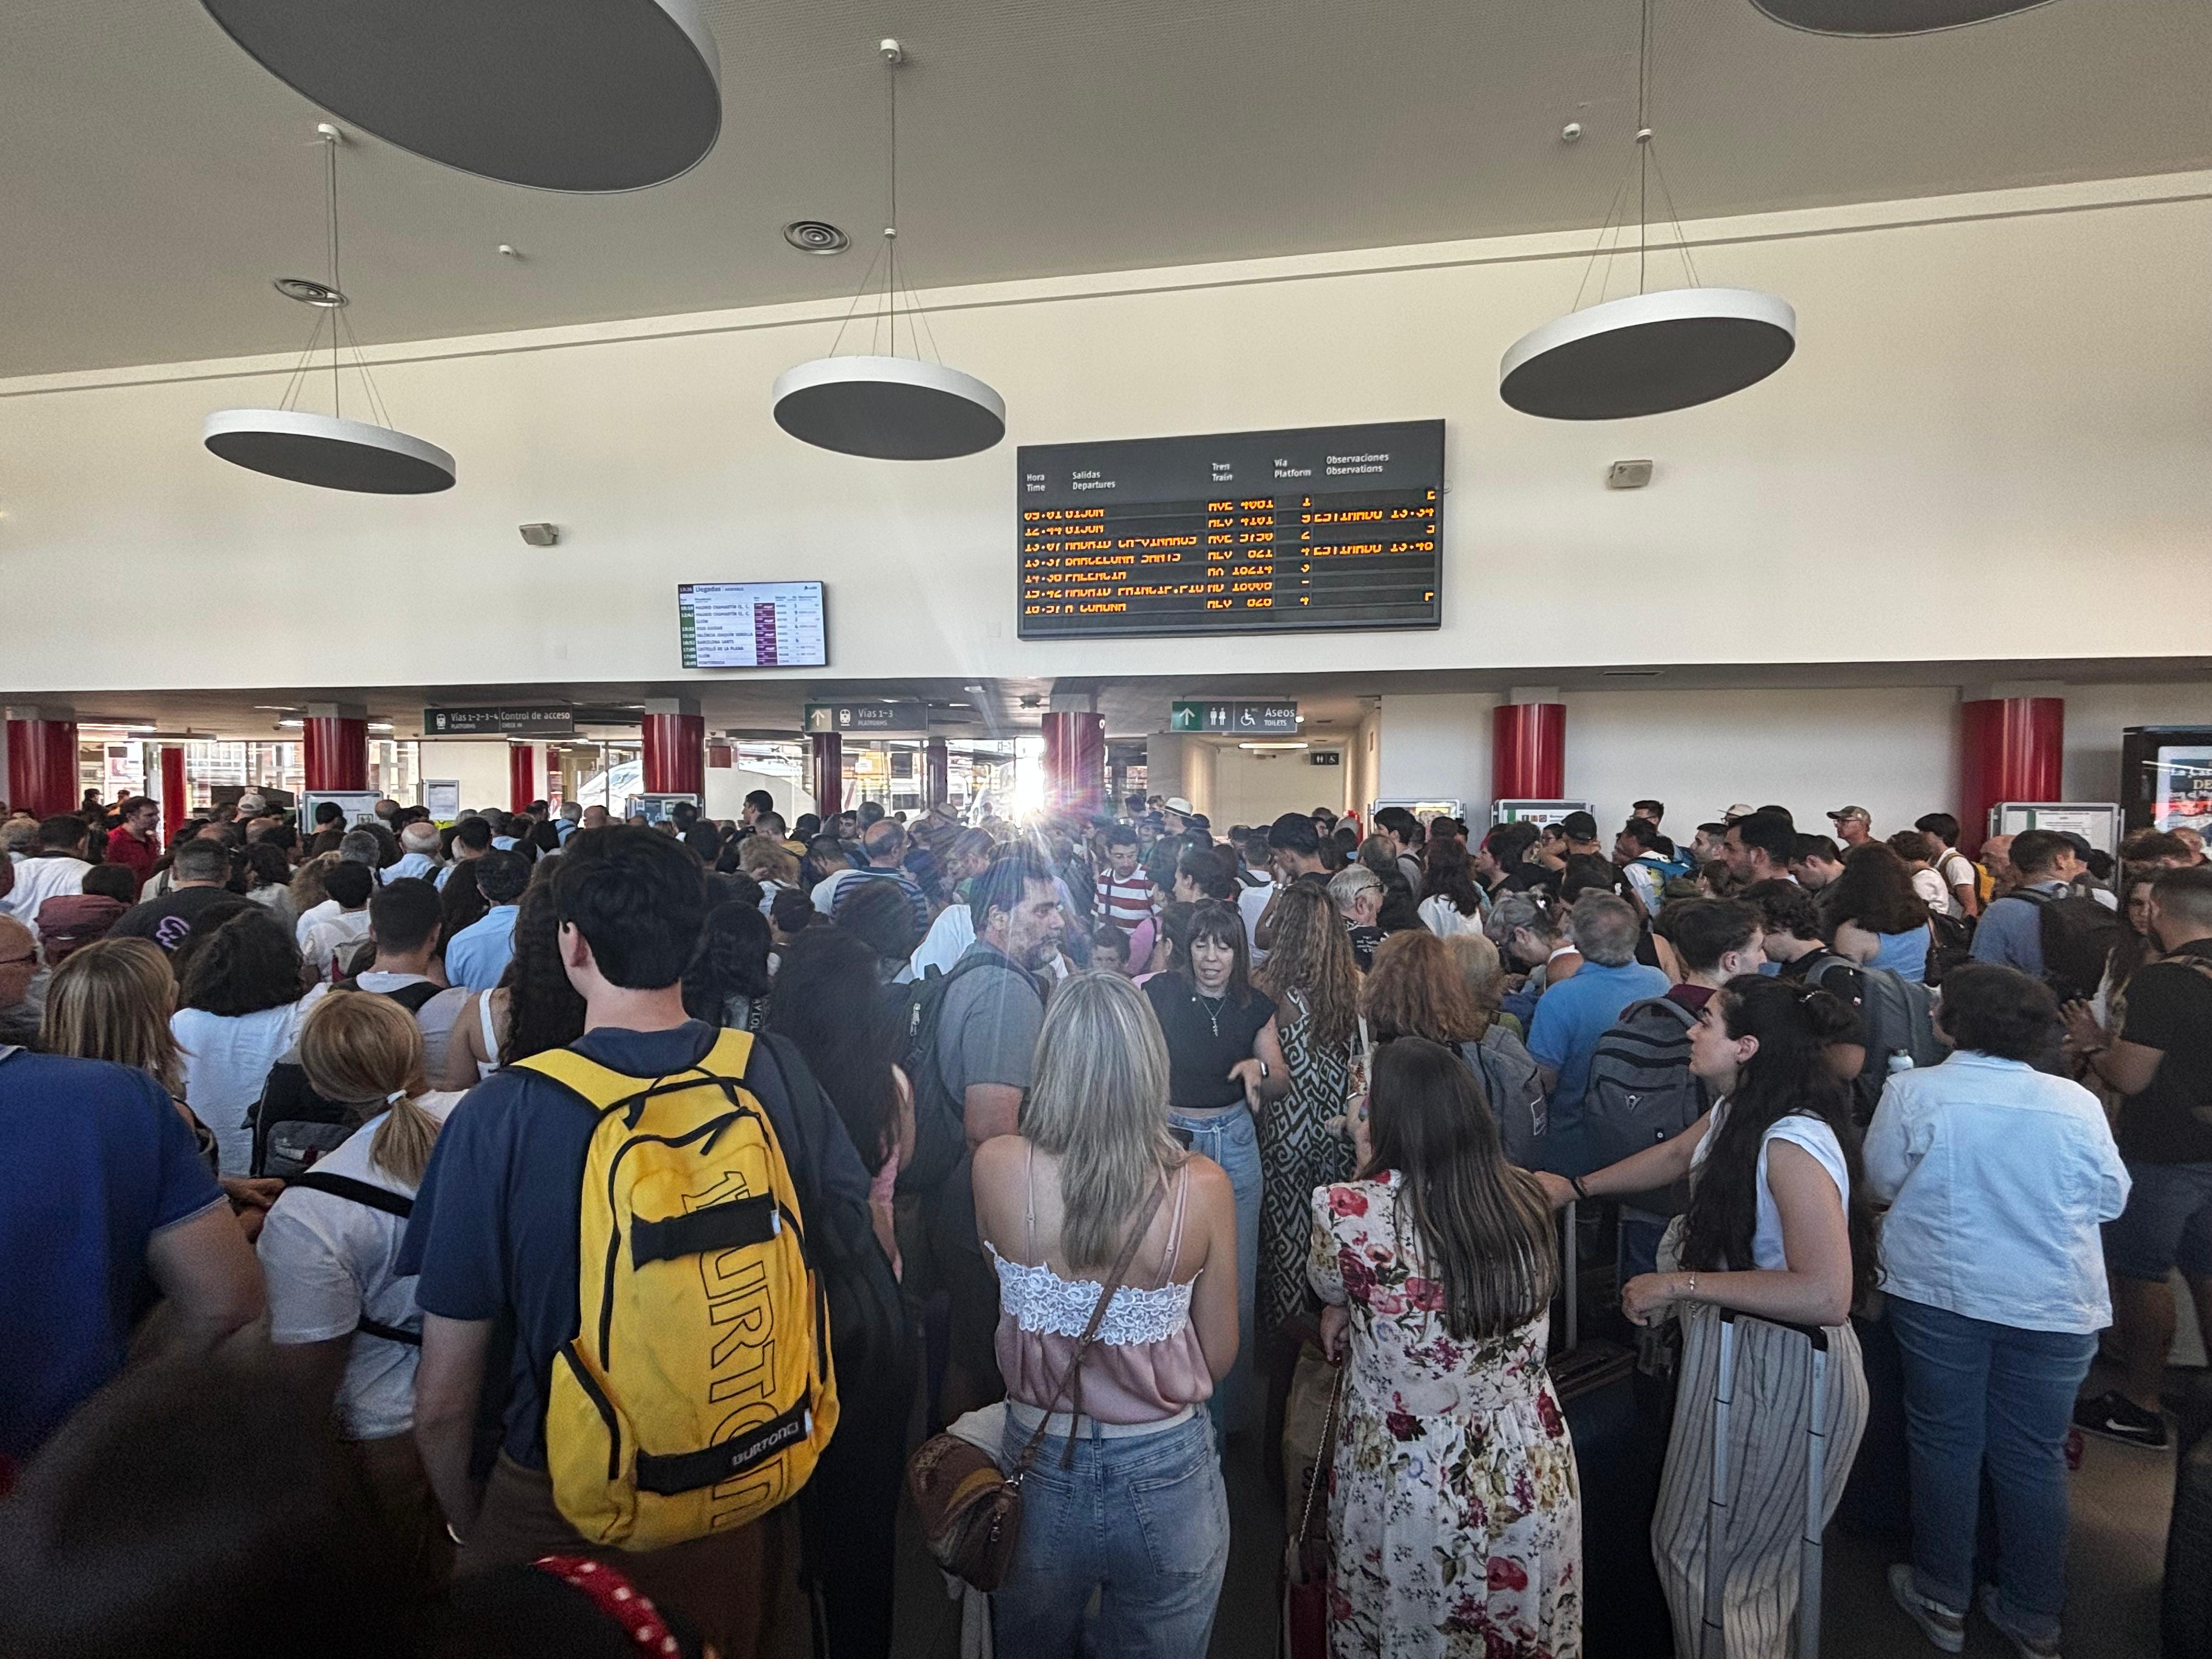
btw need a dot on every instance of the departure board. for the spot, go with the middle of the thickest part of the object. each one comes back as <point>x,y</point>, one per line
<point>1325,527</point>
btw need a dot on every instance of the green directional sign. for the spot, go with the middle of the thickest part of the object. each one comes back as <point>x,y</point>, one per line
<point>1186,716</point>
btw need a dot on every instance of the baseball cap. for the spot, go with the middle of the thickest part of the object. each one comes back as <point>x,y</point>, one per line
<point>1580,826</point>
<point>1740,810</point>
<point>1843,812</point>
<point>1179,806</point>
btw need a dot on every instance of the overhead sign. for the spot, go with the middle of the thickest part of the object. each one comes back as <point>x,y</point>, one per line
<point>504,721</point>
<point>1278,718</point>
<point>867,717</point>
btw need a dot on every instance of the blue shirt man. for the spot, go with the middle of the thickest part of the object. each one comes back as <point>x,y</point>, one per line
<point>479,953</point>
<point>1572,1014</point>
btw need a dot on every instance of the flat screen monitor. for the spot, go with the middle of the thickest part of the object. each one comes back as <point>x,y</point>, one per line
<point>752,625</point>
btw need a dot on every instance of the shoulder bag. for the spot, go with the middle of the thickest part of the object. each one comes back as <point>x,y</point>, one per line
<point>970,1508</point>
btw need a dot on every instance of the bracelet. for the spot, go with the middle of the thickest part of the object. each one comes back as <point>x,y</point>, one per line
<point>1691,1293</point>
<point>1581,1191</point>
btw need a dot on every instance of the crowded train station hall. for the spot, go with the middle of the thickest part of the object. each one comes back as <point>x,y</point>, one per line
<point>1246,828</point>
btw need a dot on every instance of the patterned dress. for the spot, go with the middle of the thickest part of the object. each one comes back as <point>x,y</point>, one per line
<point>1455,1522</point>
<point>1298,1152</point>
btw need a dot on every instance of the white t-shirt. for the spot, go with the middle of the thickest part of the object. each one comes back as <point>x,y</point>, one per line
<point>1252,904</point>
<point>37,880</point>
<point>949,938</point>
<point>329,1263</point>
<point>1957,870</point>
<point>435,1016</point>
<point>1442,917</point>
<point>311,915</point>
<point>1930,887</point>
<point>1809,1132</point>
<point>227,1059</point>
<point>825,890</point>
<point>332,936</point>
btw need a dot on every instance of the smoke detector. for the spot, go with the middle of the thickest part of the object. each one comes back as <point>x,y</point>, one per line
<point>1628,475</point>
<point>540,535</point>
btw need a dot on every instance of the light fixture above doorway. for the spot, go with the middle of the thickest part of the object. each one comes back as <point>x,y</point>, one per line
<point>889,407</point>
<point>1652,351</point>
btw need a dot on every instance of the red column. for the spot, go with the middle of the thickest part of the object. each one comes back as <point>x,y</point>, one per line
<point>42,765</point>
<point>2010,748</point>
<point>337,751</point>
<point>553,775</point>
<point>1075,762</point>
<point>675,754</point>
<point>521,775</point>
<point>1528,751</point>
<point>936,773</point>
<point>174,794</point>
<point>828,759</point>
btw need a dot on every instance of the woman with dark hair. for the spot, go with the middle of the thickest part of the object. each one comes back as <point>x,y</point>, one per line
<point>1315,988</point>
<point>269,880</point>
<point>1452,1500</point>
<point>1777,1228</point>
<point>1997,1177</point>
<point>1206,873</point>
<point>1450,902</point>
<point>460,903</point>
<point>240,1014</point>
<point>533,1008</point>
<point>1877,917</point>
<point>1225,1062</point>
<point>727,983</point>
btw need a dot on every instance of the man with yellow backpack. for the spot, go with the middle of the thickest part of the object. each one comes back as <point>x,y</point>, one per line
<point>660,1240</point>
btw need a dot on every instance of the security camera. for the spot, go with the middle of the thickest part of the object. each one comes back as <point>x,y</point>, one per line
<point>540,535</point>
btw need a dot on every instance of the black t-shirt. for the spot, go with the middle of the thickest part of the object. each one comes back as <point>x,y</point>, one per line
<point>1363,941</point>
<point>2170,1009</point>
<point>1206,1037</point>
<point>169,919</point>
<point>1532,877</point>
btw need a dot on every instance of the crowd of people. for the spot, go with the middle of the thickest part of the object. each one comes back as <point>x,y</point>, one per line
<point>1090,1129</point>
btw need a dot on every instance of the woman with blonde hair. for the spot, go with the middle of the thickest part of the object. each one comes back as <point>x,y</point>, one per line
<point>306,890</point>
<point>771,864</point>
<point>339,1306</point>
<point>112,1001</point>
<point>1123,1496</point>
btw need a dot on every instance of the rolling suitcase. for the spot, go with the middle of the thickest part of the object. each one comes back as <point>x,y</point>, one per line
<point>1712,1639</point>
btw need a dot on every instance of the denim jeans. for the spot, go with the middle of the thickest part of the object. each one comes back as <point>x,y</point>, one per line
<point>1232,1138</point>
<point>1144,1520</point>
<point>1977,1393</point>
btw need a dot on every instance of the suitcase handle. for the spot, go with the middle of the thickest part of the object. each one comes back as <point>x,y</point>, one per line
<point>1712,1642</point>
<point>1812,1333</point>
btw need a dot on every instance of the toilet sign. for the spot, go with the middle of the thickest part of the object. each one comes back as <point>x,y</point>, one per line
<point>1256,719</point>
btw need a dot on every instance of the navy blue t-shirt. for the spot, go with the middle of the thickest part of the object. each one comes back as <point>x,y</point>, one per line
<point>496,1220</point>
<point>94,1160</point>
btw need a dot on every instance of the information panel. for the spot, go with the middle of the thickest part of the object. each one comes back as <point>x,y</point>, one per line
<point>752,625</point>
<point>1326,527</point>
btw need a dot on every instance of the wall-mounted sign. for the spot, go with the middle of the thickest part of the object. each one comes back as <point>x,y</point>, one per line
<point>1326,757</point>
<point>1278,719</point>
<point>441,799</point>
<point>511,722</point>
<point>867,717</point>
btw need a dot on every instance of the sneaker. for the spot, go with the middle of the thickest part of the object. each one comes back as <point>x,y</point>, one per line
<point>1946,1629</point>
<point>2028,1647</point>
<point>2119,1418</point>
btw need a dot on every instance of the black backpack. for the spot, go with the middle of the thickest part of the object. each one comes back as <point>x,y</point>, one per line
<point>293,1125</point>
<point>1950,944</point>
<point>2079,936</point>
<point>941,1122</point>
<point>376,1198</point>
<point>1642,1092</point>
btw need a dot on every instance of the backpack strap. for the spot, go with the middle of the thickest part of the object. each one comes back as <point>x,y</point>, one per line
<point>1688,1018</point>
<point>356,1192</point>
<point>605,1089</point>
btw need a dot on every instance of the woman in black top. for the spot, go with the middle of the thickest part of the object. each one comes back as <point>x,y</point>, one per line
<point>1224,1062</point>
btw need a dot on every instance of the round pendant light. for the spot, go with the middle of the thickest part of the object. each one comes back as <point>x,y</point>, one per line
<point>891,409</point>
<point>329,452</point>
<point>1871,18</point>
<point>1647,353</point>
<point>581,95</point>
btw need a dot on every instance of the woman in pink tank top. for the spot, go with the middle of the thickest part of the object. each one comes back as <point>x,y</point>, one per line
<point>1125,1497</point>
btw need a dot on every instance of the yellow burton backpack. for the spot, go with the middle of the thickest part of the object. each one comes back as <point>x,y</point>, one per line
<point>697,1393</point>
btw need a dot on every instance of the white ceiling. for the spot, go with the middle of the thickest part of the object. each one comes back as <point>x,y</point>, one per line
<point>155,179</point>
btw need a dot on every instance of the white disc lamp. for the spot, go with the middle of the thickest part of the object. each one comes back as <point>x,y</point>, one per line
<point>1872,18</point>
<point>557,95</point>
<point>888,408</point>
<point>1647,353</point>
<point>330,452</point>
<point>1653,350</point>
<point>892,409</point>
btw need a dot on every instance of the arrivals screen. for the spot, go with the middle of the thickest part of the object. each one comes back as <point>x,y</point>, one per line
<point>1325,527</point>
<point>752,625</point>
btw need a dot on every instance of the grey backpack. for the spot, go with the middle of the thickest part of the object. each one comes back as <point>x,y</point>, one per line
<point>1642,1092</point>
<point>1899,1017</point>
<point>1514,1089</point>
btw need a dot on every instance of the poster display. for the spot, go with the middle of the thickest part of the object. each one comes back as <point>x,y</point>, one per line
<point>2096,822</point>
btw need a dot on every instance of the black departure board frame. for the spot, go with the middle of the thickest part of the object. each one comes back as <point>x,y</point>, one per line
<point>1312,530</point>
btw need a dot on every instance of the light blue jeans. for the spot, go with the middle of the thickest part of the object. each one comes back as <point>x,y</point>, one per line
<point>1231,1140</point>
<point>1143,1520</point>
<point>1977,1393</point>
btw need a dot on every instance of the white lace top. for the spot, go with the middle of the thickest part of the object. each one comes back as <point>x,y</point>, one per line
<point>1040,1302</point>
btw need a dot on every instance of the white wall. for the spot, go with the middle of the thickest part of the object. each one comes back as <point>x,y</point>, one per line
<point>1996,401</point>
<point>1437,747</point>
<point>480,766</point>
<point>1258,788</point>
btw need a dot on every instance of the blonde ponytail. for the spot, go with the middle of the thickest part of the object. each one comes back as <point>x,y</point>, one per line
<point>362,1049</point>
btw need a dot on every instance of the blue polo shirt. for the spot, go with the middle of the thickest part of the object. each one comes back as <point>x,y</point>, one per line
<point>477,955</point>
<point>1571,1017</point>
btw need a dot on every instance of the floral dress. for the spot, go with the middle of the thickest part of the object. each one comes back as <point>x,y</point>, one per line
<point>1299,1152</point>
<point>1455,1522</point>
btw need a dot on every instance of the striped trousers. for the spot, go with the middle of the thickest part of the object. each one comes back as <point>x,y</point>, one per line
<point>1767,1474</point>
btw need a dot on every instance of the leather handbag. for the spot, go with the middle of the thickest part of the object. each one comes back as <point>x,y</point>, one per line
<point>1305,1560</point>
<point>970,1508</point>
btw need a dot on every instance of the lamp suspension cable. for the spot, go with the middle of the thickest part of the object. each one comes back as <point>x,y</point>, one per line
<point>330,200</point>
<point>1643,143</point>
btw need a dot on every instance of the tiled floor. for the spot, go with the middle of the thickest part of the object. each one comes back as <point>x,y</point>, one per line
<point>2121,1499</point>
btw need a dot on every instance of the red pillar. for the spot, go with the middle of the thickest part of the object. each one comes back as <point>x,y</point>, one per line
<point>1074,761</point>
<point>829,779</point>
<point>174,794</point>
<point>337,744</point>
<point>41,764</point>
<point>675,749</point>
<point>521,775</point>
<point>936,773</point>
<point>553,794</point>
<point>1528,751</point>
<point>2010,748</point>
